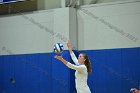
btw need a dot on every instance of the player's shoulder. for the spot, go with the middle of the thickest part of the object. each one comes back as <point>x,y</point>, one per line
<point>81,65</point>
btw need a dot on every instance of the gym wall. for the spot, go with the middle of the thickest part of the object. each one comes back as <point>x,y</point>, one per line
<point>110,39</point>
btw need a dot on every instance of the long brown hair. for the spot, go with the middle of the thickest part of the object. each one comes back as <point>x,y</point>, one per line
<point>87,63</point>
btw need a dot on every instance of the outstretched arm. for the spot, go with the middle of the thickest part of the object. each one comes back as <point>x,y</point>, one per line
<point>74,58</point>
<point>68,64</point>
<point>69,46</point>
<point>61,59</point>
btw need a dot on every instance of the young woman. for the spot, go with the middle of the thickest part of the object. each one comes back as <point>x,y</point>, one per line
<point>82,66</point>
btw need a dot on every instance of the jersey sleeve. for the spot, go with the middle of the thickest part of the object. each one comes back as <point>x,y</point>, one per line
<point>75,67</point>
<point>74,58</point>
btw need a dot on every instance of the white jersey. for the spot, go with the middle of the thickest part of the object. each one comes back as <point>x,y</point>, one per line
<point>81,75</point>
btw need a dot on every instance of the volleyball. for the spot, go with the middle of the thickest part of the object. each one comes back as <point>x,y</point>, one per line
<point>58,48</point>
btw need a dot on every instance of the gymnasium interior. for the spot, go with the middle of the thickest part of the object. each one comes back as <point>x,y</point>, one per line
<point>108,31</point>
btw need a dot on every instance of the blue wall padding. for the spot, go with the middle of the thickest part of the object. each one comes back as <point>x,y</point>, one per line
<point>1,74</point>
<point>139,67</point>
<point>114,71</point>
<point>130,68</point>
<point>60,75</point>
<point>32,73</point>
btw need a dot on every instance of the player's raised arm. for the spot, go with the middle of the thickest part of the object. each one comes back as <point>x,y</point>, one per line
<point>74,58</point>
<point>69,46</point>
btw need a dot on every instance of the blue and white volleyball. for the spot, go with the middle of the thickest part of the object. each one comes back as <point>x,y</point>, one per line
<point>58,48</point>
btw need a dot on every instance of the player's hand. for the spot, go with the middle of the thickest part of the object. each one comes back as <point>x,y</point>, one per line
<point>58,57</point>
<point>69,45</point>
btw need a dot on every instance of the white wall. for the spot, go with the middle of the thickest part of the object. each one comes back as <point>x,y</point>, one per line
<point>105,26</point>
<point>26,32</point>
<point>65,26</point>
<point>36,32</point>
<point>51,4</point>
<point>100,26</point>
<point>40,4</point>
